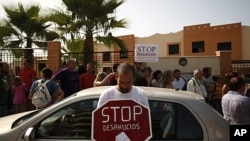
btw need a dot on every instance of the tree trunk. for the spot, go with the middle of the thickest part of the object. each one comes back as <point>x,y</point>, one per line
<point>88,50</point>
<point>28,52</point>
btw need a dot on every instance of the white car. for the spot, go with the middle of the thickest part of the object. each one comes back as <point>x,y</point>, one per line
<point>190,119</point>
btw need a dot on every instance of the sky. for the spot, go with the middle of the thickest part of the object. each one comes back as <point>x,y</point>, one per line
<point>148,17</point>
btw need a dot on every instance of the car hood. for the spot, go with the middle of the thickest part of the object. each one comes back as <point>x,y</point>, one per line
<point>7,121</point>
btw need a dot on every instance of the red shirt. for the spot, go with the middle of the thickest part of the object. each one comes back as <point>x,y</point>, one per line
<point>28,75</point>
<point>86,80</point>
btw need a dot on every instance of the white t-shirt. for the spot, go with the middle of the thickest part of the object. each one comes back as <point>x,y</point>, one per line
<point>178,84</point>
<point>112,93</point>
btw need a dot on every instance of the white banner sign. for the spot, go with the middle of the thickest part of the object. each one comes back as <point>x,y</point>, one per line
<point>146,53</point>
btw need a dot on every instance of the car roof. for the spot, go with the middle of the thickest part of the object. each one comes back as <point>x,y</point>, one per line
<point>152,92</point>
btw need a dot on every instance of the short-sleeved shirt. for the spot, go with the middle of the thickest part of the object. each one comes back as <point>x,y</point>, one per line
<point>69,81</point>
<point>28,75</point>
<point>51,86</point>
<point>178,84</point>
<point>156,83</point>
<point>235,108</point>
<point>112,93</point>
<point>86,80</point>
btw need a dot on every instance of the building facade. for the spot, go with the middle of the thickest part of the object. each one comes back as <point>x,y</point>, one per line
<point>198,44</point>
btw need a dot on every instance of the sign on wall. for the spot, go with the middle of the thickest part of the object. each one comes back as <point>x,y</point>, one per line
<point>146,53</point>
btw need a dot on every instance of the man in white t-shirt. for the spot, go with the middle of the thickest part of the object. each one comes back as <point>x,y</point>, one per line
<point>124,89</point>
<point>178,83</point>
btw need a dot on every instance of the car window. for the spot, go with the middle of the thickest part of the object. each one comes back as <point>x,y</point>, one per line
<point>172,121</point>
<point>24,118</point>
<point>71,122</point>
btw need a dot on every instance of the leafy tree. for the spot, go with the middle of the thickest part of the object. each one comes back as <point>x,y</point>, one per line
<point>91,19</point>
<point>25,28</point>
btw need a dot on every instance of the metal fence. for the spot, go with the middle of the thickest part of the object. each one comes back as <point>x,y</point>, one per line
<point>102,59</point>
<point>15,59</point>
<point>243,67</point>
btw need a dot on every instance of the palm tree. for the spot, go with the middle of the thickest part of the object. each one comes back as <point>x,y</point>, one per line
<point>92,18</point>
<point>25,28</point>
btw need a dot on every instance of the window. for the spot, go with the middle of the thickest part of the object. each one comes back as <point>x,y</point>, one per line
<point>169,121</point>
<point>71,122</point>
<point>191,130</point>
<point>173,49</point>
<point>123,54</point>
<point>198,47</point>
<point>224,46</point>
<point>106,56</point>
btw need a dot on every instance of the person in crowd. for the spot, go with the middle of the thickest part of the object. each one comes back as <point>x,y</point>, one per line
<point>81,70</point>
<point>217,95</point>
<point>178,83</point>
<point>87,79</point>
<point>235,105</point>
<point>108,70</point>
<point>28,75</point>
<point>167,78</point>
<point>196,84</point>
<point>110,79</point>
<point>4,86</point>
<point>62,66</point>
<point>10,78</point>
<point>209,83</point>
<point>227,77</point>
<point>8,72</point>
<point>68,78</point>
<point>54,89</point>
<point>156,81</point>
<point>101,75</point>
<point>146,80</point>
<point>18,89</point>
<point>100,81</point>
<point>138,73</point>
<point>124,88</point>
<point>112,76</point>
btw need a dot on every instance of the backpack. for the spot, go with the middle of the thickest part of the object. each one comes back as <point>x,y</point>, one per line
<point>41,97</point>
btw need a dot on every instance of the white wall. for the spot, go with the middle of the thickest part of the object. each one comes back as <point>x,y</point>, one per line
<point>171,63</point>
<point>163,40</point>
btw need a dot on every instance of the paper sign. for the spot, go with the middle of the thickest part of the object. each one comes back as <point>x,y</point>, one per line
<point>146,53</point>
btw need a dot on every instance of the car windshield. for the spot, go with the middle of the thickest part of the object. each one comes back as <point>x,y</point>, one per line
<point>24,118</point>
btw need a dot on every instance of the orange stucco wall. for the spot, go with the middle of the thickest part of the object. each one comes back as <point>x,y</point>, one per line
<point>129,41</point>
<point>211,35</point>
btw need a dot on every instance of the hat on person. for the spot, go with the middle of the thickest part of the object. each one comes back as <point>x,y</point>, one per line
<point>147,68</point>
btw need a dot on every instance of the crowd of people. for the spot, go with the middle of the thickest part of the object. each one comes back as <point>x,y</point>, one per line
<point>220,91</point>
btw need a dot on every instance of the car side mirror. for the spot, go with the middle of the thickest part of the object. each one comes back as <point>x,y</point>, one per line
<point>29,134</point>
